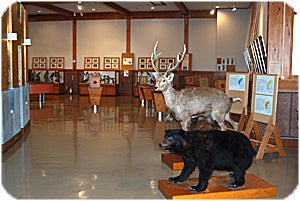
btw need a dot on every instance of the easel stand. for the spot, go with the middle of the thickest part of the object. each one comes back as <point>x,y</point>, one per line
<point>257,139</point>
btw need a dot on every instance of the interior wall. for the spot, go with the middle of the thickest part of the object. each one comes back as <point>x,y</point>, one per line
<point>50,39</point>
<point>168,32</point>
<point>202,37</point>
<point>104,38</point>
<point>232,29</point>
<point>223,36</point>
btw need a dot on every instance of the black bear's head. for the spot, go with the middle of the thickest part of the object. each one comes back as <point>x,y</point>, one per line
<point>174,140</point>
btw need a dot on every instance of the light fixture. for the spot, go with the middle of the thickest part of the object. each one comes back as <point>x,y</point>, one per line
<point>12,36</point>
<point>212,11</point>
<point>80,8</point>
<point>152,7</point>
<point>233,9</point>
<point>26,41</point>
<point>217,6</point>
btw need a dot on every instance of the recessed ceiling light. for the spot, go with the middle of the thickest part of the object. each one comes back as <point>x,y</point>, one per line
<point>93,9</point>
<point>39,11</point>
<point>217,6</point>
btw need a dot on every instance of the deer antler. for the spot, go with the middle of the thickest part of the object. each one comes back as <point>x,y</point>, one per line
<point>154,57</point>
<point>179,59</point>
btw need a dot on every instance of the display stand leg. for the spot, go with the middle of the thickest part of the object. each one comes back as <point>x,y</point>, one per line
<point>263,141</point>
<point>242,120</point>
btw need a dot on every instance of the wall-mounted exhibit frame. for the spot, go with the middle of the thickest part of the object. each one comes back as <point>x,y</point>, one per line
<point>127,61</point>
<point>202,81</point>
<point>57,62</point>
<point>92,63</point>
<point>226,64</point>
<point>144,63</point>
<point>165,62</point>
<point>111,63</point>
<point>220,84</point>
<point>39,63</point>
<point>186,64</point>
<point>263,110</point>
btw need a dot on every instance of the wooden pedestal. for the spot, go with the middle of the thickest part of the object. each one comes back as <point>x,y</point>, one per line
<point>254,188</point>
<point>95,95</point>
<point>174,161</point>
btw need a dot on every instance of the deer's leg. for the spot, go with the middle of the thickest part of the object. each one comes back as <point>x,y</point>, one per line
<point>185,123</point>
<point>219,118</point>
<point>233,123</point>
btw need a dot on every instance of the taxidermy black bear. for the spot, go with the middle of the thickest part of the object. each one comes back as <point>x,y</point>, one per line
<point>210,150</point>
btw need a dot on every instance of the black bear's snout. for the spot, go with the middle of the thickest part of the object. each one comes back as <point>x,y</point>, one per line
<point>163,145</point>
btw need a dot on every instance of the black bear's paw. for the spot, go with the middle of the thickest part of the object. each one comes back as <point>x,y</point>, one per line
<point>175,180</point>
<point>234,186</point>
<point>196,189</point>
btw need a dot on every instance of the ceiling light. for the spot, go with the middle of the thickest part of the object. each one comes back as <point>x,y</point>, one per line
<point>152,7</point>
<point>217,6</point>
<point>39,11</point>
<point>93,9</point>
<point>212,11</point>
<point>233,9</point>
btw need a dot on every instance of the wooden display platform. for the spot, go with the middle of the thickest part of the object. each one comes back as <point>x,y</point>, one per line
<point>216,189</point>
<point>174,161</point>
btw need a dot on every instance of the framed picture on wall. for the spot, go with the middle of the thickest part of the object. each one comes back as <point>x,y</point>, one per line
<point>57,62</point>
<point>112,63</point>
<point>144,63</point>
<point>163,63</point>
<point>39,63</point>
<point>92,63</point>
<point>186,64</point>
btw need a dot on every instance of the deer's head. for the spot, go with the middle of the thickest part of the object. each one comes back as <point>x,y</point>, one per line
<point>164,80</point>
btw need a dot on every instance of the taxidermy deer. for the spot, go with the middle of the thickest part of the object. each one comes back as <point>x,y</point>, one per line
<point>191,102</point>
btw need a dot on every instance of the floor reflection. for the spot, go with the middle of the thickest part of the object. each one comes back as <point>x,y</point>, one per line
<point>72,152</point>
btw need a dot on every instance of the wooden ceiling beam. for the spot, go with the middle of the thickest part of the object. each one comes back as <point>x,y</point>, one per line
<point>183,9</point>
<point>117,8</point>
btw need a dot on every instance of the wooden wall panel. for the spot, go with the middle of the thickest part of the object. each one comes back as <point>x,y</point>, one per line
<point>288,41</point>
<point>16,28</point>
<point>280,37</point>
<point>275,32</point>
<point>4,77</point>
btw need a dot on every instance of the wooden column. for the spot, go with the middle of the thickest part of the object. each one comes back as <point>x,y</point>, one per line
<point>186,32</point>
<point>74,43</point>
<point>128,34</point>
<point>280,37</point>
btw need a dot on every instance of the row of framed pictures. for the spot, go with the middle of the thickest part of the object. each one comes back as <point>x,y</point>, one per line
<point>144,63</point>
<point>93,63</point>
<point>40,63</point>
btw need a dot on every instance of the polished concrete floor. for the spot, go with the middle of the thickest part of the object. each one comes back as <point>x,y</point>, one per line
<point>72,153</point>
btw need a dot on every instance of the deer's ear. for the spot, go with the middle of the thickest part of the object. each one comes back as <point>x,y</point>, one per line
<point>155,74</point>
<point>170,77</point>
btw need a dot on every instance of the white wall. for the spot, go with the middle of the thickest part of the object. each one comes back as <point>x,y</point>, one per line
<point>232,28</point>
<point>168,32</point>
<point>104,38</point>
<point>202,43</point>
<point>50,39</point>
